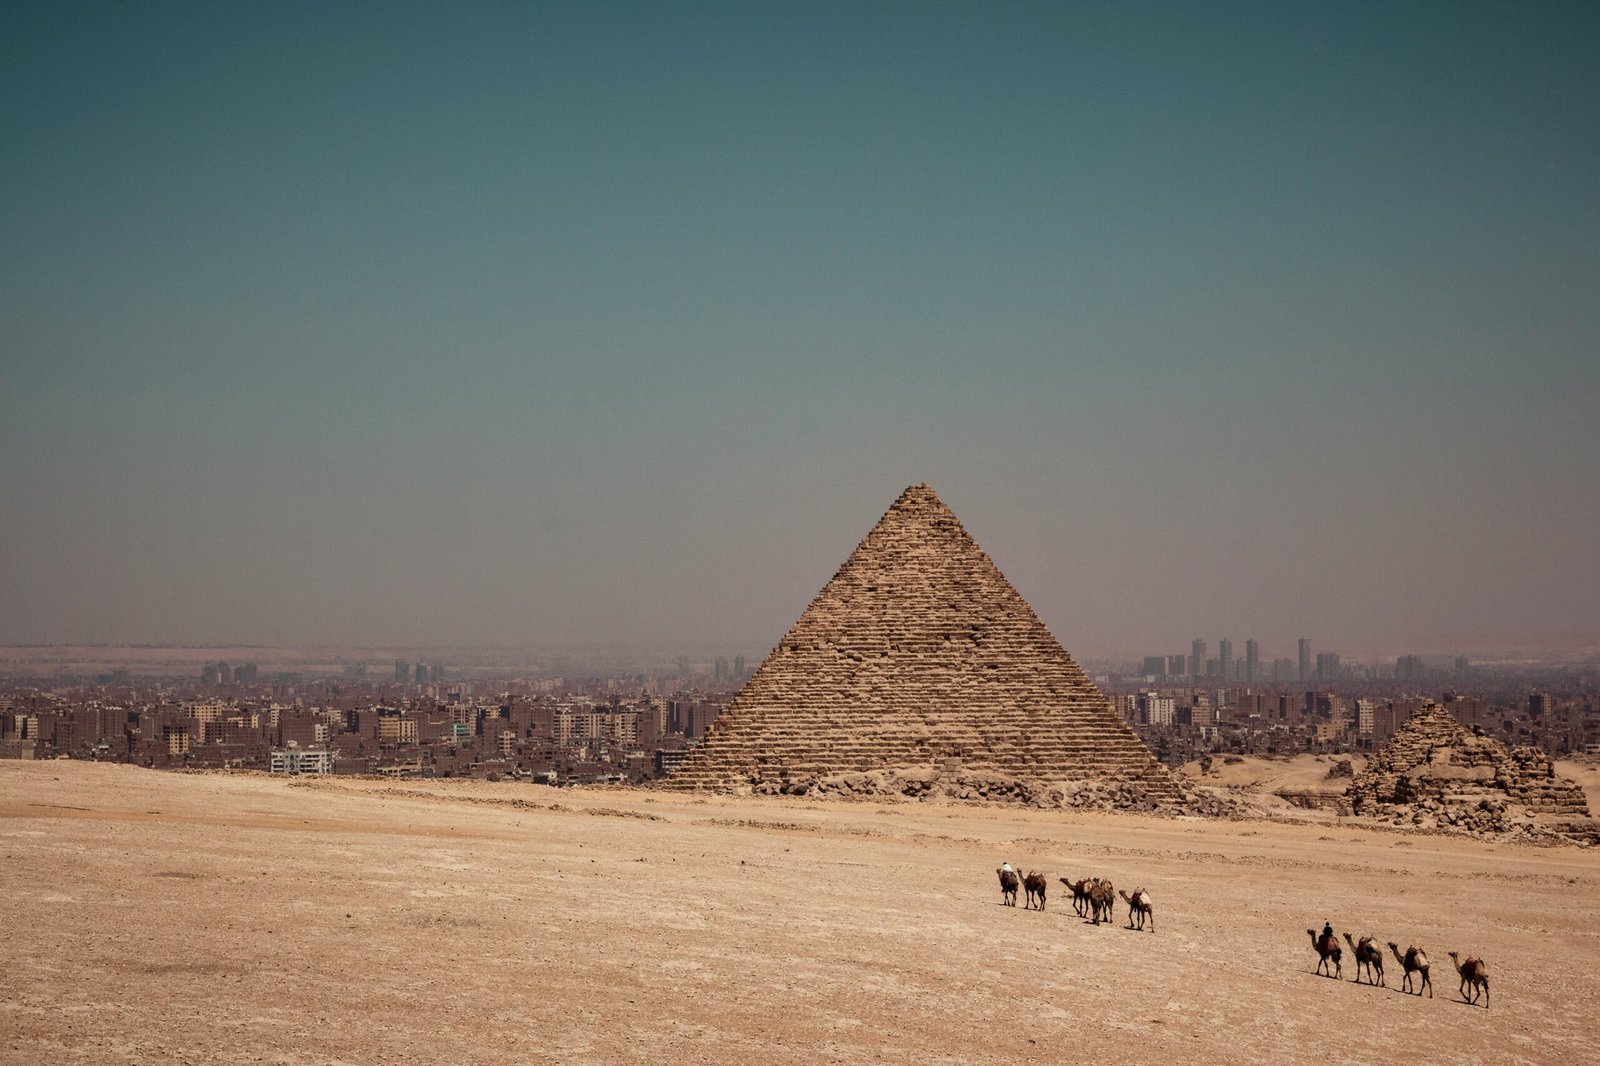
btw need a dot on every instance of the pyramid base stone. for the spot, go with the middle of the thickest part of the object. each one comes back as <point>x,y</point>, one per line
<point>1156,793</point>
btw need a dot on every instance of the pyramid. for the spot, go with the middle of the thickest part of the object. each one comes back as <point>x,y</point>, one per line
<point>919,656</point>
<point>1434,770</point>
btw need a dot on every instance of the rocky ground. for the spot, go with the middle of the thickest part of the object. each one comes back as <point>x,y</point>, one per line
<point>214,918</point>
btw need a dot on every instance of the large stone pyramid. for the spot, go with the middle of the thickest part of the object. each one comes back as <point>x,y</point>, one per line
<point>919,656</point>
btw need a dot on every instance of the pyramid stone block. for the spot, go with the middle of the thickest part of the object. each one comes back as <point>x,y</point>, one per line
<point>919,656</point>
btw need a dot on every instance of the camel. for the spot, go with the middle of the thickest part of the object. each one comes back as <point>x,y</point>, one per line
<point>1139,904</point>
<point>1474,973</point>
<point>1102,901</point>
<point>1369,957</point>
<point>1330,951</point>
<point>1008,887</point>
<point>1080,895</point>
<point>1415,960</point>
<point>1034,885</point>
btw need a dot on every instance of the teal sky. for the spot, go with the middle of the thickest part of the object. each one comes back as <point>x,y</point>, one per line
<point>401,324</point>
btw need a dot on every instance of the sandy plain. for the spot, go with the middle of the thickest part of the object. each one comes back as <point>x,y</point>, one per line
<point>159,917</point>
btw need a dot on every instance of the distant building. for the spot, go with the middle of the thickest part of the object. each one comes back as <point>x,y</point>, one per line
<point>397,729</point>
<point>1197,658</point>
<point>1305,659</point>
<point>1156,709</point>
<point>1252,661</point>
<point>667,760</point>
<point>1225,657</point>
<point>1327,666</point>
<point>402,671</point>
<point>300,761</point>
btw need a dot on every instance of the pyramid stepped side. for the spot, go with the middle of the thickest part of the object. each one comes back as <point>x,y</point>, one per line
<point>919,651</point>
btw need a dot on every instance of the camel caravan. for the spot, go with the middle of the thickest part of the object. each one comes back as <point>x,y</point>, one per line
<point>1474,972</point>
<point>1093,898</point>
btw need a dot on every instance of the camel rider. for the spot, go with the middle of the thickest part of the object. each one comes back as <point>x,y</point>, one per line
<point>1006,868</point>
<point>1327,932</point>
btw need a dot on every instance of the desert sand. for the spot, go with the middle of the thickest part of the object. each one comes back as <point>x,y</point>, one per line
<point>239,918</point>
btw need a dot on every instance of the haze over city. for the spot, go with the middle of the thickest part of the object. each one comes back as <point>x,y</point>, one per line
<point>586,325</point>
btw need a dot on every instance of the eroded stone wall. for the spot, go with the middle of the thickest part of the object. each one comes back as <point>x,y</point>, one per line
<point>1435,773</point>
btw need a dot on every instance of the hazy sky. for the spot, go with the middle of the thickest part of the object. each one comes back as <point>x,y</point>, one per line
<point>525,324</point>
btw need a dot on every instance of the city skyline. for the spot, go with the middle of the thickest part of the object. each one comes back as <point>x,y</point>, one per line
<point>619,326</point>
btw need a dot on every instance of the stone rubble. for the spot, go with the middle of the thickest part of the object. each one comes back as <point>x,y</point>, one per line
<point>1435,774</point>
<point>998,788</point>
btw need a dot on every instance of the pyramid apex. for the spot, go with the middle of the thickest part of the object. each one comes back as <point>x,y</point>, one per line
<point>921,492</point>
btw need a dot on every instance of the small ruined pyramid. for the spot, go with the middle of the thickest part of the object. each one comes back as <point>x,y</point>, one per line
<point>1434,770</point>
<point>919,656</point>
